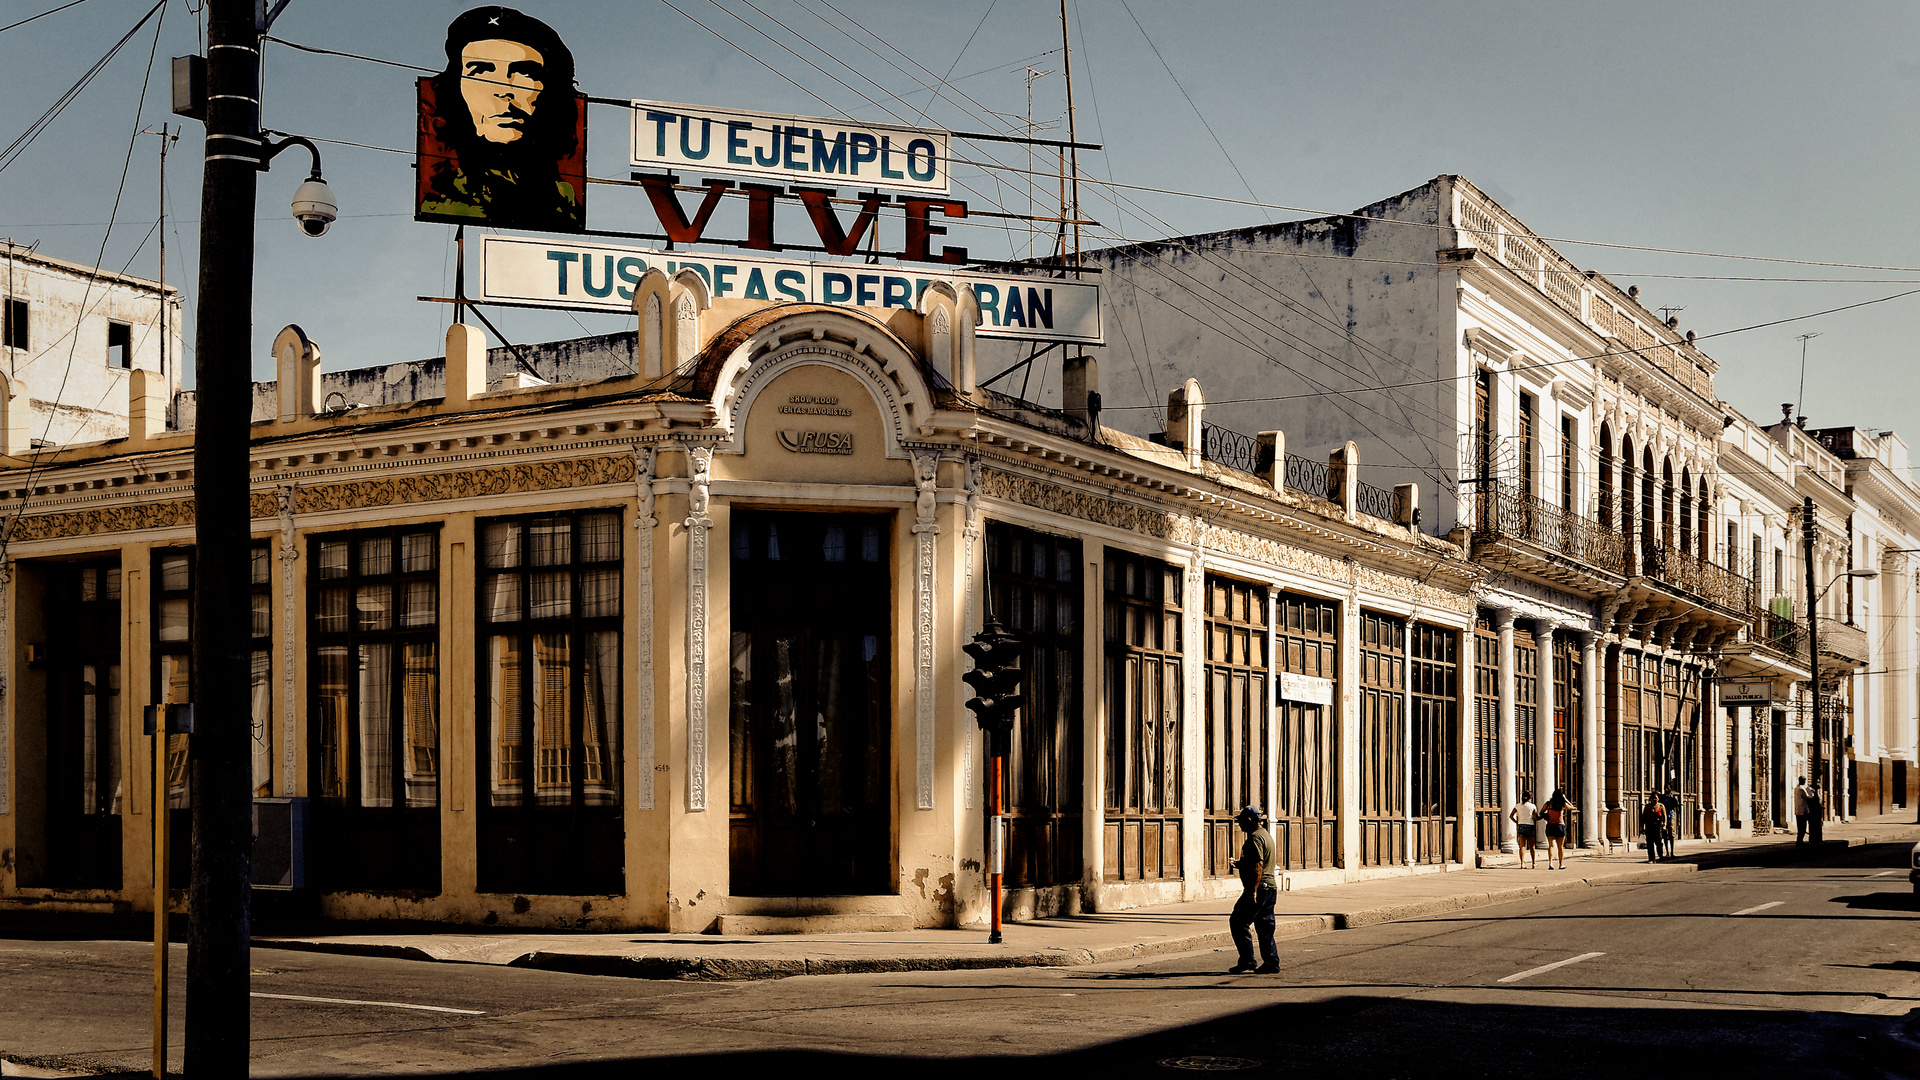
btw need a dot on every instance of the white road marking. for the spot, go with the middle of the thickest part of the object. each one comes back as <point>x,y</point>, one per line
<point>1756,907</point>
<point>382,1004</point>
<point>1883,873</point>
<point>1544,968</point>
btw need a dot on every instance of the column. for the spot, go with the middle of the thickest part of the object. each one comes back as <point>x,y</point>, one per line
<point>1740,784</point>
<point>1592,799</point>
<point>1406,748</point>
<point>1503,625</point>
<point>1545,763</point>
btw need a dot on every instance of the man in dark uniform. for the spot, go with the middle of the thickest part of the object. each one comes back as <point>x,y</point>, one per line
<point>1258,891</point>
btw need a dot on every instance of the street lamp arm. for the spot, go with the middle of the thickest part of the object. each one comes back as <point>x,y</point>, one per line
<point>1849,574</point>
<point>270,149</point>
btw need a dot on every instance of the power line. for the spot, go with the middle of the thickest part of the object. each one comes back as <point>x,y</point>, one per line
<point>1567,360</point>
<point>42,15</point>
<point>40,462</point>
<point>19,145</point>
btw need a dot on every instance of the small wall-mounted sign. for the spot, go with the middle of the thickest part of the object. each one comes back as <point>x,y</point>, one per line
<point>1747,693</point>
<point>1306,688</point>
<point>815,405</point>
<point>818,442</point>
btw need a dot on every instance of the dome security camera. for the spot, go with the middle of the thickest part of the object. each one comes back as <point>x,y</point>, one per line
<point>313,206</point>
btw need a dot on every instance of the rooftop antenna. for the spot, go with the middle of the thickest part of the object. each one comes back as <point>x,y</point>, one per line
<point>1802,398</point>
<point>1032,74</point>
<point>1073,134</point>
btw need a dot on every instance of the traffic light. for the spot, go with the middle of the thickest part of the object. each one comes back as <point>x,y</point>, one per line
<point>998,684</point>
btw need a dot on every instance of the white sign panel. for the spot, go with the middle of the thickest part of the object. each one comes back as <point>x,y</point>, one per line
<point>800,150</point>
<point>1745,693</point>
<point>1306,688</point>
<point>596,277</point>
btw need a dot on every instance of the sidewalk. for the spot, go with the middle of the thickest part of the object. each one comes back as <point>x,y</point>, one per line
<point>1067,941</point>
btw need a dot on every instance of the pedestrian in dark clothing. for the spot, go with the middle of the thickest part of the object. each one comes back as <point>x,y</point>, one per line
<point>1559,815</point>
<point>1653,826</point>
<point>1671,801</point>
<point>1802,817</point>
<point>1258,890</point>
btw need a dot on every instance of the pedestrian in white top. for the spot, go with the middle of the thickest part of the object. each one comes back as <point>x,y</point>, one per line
<point>1801,811</point>
<point>1524,816</point>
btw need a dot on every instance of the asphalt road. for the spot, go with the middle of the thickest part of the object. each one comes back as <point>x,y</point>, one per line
<point>1805,971</point>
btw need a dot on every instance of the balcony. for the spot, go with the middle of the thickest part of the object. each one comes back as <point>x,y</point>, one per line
<point>1843,642</point>
<point>1784,638</point>
<point>1693,575</point>
<point>1517,529</point>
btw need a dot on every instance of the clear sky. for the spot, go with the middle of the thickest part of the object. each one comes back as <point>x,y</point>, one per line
<point>1761,128</point>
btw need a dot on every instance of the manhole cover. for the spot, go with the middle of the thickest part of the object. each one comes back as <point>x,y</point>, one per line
<point>1205,1063</point>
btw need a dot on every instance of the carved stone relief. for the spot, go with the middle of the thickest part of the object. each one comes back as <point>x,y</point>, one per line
<point>699,525</point>
<point>283,498</point>
<point>925,475</point>
<point>351,495</point>
<point>644,460</point>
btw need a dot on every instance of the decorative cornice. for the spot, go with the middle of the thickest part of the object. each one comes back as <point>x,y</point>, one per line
<point>518,478</point>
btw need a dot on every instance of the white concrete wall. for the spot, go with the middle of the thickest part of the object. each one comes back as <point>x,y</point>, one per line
<point>71,393</point>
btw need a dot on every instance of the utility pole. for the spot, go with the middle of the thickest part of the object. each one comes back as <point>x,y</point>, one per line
<point>217,1029</point>
<point>1807,535</point>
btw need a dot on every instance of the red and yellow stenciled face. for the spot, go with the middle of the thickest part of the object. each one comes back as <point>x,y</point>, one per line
<point>501,83</point>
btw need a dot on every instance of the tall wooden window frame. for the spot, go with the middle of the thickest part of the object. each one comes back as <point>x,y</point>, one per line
<point>1569,437</point>
<point>1487,751</point>
<point>1526,435</point>
<point>373,663</point>
<point>550,616</point>
<point>1383,739</point>
<point>1433,771</point>
<point>1526,713</point>
<point>1306,808</point>
<point>1569,690</point>
<point>1146,706</point>
<point>1239,692</point>
<point>171,645</point>
<point>1035,586</point>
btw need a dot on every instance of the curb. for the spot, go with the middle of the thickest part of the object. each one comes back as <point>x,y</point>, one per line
<point>724,968</point>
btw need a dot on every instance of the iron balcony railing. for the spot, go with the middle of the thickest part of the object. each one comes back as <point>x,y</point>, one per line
<point>1779,634</point>
<point>1505,513</point>
<point>1688,572</point>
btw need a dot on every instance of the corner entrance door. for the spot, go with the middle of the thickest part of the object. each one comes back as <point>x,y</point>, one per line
<point>811,719</point>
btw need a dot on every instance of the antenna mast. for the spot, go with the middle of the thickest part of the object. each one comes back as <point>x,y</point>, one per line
<point>1073,138</point>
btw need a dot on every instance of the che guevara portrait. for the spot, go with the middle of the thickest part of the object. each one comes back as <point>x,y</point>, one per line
<point>503,132</point>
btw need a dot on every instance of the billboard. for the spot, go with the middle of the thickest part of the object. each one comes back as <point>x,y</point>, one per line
<point>800,150</point>
<point>502,134</point>
<point>597,277</point>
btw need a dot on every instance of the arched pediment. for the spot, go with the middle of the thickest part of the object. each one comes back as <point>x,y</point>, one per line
<point>749,355</point>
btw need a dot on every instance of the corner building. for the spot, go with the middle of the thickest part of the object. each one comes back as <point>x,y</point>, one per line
<point>1548,422</point>
<point>680,647</point>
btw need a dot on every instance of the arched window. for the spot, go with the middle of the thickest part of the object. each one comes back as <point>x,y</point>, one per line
<point>1606,476</point>
<point>1647,508</point>
<point>1628,522</point>
<point>1666,501</point>
<point>1686,510</point>
<point>1705,505</point>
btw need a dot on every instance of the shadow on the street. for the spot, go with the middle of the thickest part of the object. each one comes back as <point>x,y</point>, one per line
<point>1357,1035</point>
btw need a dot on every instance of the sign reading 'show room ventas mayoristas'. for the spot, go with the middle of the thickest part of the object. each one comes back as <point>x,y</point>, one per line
<point>790,149</point>
<point>563,274</point>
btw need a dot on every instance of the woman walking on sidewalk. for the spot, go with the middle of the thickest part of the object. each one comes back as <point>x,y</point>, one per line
<point>1523,815</point>
<point>1559,813</point>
